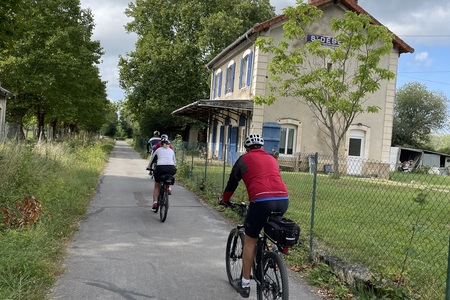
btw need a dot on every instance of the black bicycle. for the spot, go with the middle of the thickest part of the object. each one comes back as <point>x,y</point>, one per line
<point>268,269</point>
<point>163,199</point>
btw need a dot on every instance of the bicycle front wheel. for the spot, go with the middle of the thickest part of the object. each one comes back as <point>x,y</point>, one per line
<point>233,257</point>
<point>163,205</point>
<point>274,284</point>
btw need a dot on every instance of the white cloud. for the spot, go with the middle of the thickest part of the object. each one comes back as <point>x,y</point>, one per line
<point>110,19</point>
<point>422,56</point>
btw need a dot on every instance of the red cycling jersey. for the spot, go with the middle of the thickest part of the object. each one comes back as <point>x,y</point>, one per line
<point>159,145</point>
<point>261,175</point>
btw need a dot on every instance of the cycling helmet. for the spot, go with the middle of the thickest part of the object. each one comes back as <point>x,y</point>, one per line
<point>254,140</point>
<point>164,137</point>
<point>156,132</point>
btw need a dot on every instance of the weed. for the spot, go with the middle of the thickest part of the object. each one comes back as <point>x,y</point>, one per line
<point>24,214</point>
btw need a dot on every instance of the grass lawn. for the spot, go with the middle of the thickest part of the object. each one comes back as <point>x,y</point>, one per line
<point>392,227</point>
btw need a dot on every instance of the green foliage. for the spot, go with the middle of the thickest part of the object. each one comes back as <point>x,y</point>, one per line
<point>441,142</point>
<point>334,82</point>
<point>51,69</point>
<point>175,41</point>
<point>417,112</point>
<point>9,22</point>
<point>63,178</point>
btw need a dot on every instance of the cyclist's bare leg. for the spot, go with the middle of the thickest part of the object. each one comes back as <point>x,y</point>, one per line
<point>248,256</point>
<point>156,191</point>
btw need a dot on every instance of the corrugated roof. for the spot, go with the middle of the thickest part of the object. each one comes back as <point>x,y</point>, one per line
<point>202,109</point>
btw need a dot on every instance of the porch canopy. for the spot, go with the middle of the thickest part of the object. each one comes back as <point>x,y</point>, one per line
<point>202,110</point>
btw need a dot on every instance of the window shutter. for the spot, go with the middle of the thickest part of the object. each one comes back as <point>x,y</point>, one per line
<point>241,69</point>
<point>249,68</point>
<point>219,92</point>
<point>226,81</point>
<point>233,67</point>
<point>214,86</point>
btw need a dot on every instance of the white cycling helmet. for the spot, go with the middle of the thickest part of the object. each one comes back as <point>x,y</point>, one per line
<point>164,137</point>
<point>254,139</point>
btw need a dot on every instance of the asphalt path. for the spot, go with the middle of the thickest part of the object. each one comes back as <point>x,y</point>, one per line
<point>123,251</point>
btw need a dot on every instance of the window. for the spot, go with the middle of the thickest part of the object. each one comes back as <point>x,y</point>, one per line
<point>287,139</point>
<point>217,84</point>
<point>229,80</point>
<point>245,70</point>
<point>354,148</point>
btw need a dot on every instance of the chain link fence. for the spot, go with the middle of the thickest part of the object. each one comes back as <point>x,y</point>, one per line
<point>377,221</point>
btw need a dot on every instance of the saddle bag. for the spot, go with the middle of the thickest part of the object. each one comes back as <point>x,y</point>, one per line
<point>282,231</point>
<point>168,179</point>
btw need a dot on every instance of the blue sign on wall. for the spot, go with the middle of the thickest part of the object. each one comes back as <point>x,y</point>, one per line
<point>325,40</point>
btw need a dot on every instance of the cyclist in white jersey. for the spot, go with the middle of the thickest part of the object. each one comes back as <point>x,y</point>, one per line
<point>165,160</point>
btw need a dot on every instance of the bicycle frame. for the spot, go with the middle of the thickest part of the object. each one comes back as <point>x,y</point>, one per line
<point>267,257</point>
<point>163,199</point>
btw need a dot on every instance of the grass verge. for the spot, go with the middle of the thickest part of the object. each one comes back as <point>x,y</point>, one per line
<point>62,177</point>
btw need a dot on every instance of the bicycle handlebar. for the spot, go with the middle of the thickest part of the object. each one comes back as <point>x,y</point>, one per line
<point>232,204</point>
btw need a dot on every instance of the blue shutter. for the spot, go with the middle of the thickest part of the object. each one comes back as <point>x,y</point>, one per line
<point>214,86</point>
<point>233,67</point>
<point>242,119</point>
<point>241,69</point>
<point>226,81</point>
<point>271,135</point>
<point>220,85</point>
<point>249,68</point>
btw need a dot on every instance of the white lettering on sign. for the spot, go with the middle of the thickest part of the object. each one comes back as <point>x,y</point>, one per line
<point>325,40</point>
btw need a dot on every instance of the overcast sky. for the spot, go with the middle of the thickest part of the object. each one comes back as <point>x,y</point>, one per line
<point>423,24</point>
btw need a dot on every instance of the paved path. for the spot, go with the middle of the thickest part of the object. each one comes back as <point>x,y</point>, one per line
<point>123,251</point>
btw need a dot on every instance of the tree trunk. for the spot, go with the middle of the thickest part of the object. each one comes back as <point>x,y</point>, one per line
<point>41,122</point>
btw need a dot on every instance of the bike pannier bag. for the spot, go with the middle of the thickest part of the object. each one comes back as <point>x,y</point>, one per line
<point>168,179</point>
<point>283,231</point>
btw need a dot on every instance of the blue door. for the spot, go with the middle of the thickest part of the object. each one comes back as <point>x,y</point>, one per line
<point>219,156</point>
<point>214,137</point>
<point>233,145</point>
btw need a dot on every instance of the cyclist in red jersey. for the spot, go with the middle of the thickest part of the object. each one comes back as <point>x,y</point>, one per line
<point>266,193</point>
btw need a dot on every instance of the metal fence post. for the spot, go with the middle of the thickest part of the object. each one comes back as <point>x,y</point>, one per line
<point>313,205</point>
<point>206,165</point>
<point>191,174</point>
<point>447,288</point>
<point>223,172</point>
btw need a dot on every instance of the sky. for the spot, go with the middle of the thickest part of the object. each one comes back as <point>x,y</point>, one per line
<point>422,24</point>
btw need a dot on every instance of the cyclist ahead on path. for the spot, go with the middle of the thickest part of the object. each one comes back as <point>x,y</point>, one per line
<point>163,137</point>
<point>266,193</point>
<point>164,157</point>
<point>151,143</point>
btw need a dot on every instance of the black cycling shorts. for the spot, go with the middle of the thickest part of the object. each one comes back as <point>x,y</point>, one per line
<point>163,170</point>
<point>259,212</point>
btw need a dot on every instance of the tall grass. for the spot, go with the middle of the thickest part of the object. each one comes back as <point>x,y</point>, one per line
<point>62,177</point>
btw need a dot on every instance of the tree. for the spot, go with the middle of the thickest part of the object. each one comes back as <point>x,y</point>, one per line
<point>334,82</point>
<point>417,113</point>
<point>175,41</point>
<point>9,21</point>
<point>51,67</point>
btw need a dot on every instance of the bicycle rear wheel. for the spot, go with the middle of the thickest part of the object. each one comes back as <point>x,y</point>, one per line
<point>275,284</point>
<point>163,204</point>
<point>233,257</point>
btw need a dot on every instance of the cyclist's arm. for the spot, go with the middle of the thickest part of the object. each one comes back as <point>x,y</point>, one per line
<point>233,180</point>
<point>154,159</point>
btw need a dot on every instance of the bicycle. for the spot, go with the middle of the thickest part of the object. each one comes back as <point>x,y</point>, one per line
<point>268,269</point>
<point>163,199</point>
